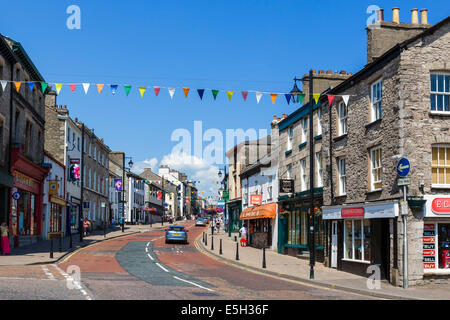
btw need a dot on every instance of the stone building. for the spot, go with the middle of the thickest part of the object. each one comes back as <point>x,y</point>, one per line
<point>95,171</point>
<point>117,173</point>
<point>134,210</point>
<point>22,124</point>
<point>179,179</point>
<point>398,107</point>
<point>63,141</point>
<point>294,170</point>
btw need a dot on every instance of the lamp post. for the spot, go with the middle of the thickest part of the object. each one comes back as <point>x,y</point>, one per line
<point>295,92</point>
<point>225,183</point>
<point>130,164</point>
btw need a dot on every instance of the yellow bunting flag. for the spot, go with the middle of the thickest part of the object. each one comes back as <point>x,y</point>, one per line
<point>18,84</point>
<point>230,94</point>
<point>58,87</point>
<point>142,91</point>
<point>273,96</point>
<point>186,91</point>
<point>100,87</point>
<point>316,97</point>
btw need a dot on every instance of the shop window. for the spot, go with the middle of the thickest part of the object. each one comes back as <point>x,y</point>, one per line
<point>55,217</point>
<point>376,168</point>
<point>440,165</point>
<point>440,92</point>
<point>356,245</point>
<point>376,97</point>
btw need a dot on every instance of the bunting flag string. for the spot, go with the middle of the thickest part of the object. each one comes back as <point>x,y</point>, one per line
<point>142,89</point>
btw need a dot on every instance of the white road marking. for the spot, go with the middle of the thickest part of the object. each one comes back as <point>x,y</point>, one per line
<point>148,244</point>
<point>48,273</point>
<point>74,282</point>
<point>146,249</point>
<point>150,257</point>
<point>193,284</point>
<point>162,267</point>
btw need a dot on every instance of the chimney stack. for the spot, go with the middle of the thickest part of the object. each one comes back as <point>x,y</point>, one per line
<point>415,16</point>
<point>395,15</point>
<point>423,16</point>
<point>380,15</point>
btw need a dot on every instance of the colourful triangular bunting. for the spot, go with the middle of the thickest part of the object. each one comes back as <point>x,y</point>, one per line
<point>100,87</point>
<point>127,89</point>
<point>142,91</point>
<point>72,87</point>
<point>86,87</point>
<point>244,95</point>
<point>4,83</point>
<point>171,92</point>
<point>316,97</point>
<point>31,86</point>
<point>114,88</point>
<point>58,87</point>
<point>230,94</point>
<point>273,96</point>
<point>157,90</point>
<point>214,93</point>
<point>330,99</point>
<point>17,84</point>
<point>288,97</point>
<point>44,86</point>
<point>258,96</point>
<point>345,98</point>
<point>186,91</point>
<point>200,93</point>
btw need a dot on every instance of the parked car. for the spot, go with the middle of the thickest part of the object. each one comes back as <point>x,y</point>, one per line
<point>176,233</point>
<point>200,222</point>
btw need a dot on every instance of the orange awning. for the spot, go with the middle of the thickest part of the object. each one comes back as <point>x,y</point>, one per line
<point>259,212</point>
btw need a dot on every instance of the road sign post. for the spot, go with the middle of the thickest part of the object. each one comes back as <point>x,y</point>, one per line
<point>403,168</point>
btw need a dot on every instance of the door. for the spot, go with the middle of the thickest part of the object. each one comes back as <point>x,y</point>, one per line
<point>334,244</point>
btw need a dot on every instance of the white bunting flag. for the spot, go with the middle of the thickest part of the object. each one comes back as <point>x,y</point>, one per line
<point>86,87</point>
<point>345,98</point>
<point>171,91</point>
<point>258,96</point>
<point>4,83</point>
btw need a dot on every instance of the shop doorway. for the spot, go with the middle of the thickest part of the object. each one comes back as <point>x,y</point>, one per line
<point>444,246</point>
<point>334,244</point>
<point>380,246</point>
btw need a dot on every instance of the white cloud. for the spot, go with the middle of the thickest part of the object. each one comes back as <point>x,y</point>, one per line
<point>148,163</point>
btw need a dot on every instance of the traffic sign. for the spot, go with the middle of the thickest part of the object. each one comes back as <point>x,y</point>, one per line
<point>404,182</point>
<point>403,167</point>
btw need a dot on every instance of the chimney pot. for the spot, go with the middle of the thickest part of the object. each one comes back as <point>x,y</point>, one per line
<point>395,15</point>
<point>423,16</point>
<point>313,71</point>
<point>279,119</point>
<point>349,74</point>
<point>329,72</point>
<point>342,72</point>
<point>415,16</point>
<point>320,71</point>
<point>275,118</point>
<point>380,15</point>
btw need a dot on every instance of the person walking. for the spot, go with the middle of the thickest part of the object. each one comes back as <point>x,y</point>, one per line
<point>218,225</point>
<point>86,227</point>
<point>243,232</point>
<point>4,232</point>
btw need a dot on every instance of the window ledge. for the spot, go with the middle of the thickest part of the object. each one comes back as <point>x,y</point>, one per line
<point>318,137</point>
<point>373,123</point>
<point>439,113</point>
<point>288,152</point>
<point>342,136</point>
<point>374,191</point>
<point>302,145</point>
<point>440,186</point>
<point>358,261</point>
<point>341,195</point>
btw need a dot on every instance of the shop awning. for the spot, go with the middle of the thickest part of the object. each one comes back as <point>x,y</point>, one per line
<point>260,212</point>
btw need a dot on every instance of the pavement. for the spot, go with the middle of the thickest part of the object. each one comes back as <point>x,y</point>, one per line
<point>39,253</point>
<point>296,269</point>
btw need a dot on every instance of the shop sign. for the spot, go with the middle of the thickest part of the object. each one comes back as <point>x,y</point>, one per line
<point>437,206</point>
<point>286,186</point>
<point>255,199</point>
<point>429,265</point>
<point>16,196</point>
<point>53,187</point>
<point>26,182</point>
<point>428,246</point>
<point>428,240</point>
<point>429,259</point>
<point>428,226</point>
<point>428,233</point>
<point>429,253</point>
<point>352,213</point>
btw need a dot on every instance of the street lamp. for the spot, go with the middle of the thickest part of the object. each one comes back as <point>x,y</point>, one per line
<point>225,188</point>
<point>295,92</point>
<point>130,164</point>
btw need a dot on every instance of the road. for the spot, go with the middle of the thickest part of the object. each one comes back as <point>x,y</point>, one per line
<point>143,267</point>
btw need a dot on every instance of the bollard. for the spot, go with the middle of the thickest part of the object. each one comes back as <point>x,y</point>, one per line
<point>212,230</point>
<point>220,247</point>
<point>264,257</point>
<point>51,248</point>
<point>237,251</point>
<point>104,229</point>
<point>60,243</point>
<point>203,237</point>
<point>235,238</point>
<point>206,240</point>
<point>70,239</point>
<point>212,243</point>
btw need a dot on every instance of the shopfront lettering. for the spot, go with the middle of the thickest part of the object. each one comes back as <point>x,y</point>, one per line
<point>429,252</point>
<point>429,259</point>
<point>441,205</point>
<point>428,240</point>
<point>428,246</point>
<point>23,180</point>
<point>352,213</point>
<point>429,265</point>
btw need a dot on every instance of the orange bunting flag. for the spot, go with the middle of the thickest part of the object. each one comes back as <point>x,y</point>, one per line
<point>100,87</point>
<point>230,94</point>
<point>316,97</point>
<point>273,96</point>
<point>17,84</point>
<point>186,91</point>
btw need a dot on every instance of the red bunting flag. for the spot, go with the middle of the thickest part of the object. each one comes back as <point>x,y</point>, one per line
<point>244,95</point>
<point>157,90</point>
<point>72,87</point>
<point>330,99</point>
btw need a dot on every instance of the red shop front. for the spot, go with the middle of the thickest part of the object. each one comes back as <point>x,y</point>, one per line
<point>25,217</point>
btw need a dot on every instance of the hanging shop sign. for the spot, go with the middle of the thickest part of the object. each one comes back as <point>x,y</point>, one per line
<point>16,195</point>
<point>118,184</point>
<point>53,188</point>
<point>255,199</point>
<point>286,186</point>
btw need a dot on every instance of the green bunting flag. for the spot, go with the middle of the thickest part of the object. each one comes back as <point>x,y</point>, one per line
<point>301,96</point>
<point>44,86</point>
<point>214,93</point>
<point>127,89</point>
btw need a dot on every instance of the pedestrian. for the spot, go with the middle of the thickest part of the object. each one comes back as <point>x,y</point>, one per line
<point>4,231</point>
<point>218,225</point>
<point>243,232</point>
<point>86,226</point>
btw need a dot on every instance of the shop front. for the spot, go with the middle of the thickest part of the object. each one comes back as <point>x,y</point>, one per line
<point>293,225</point>
<point>261,220</point>
<point>57,215</point>
<point>360,236</point>
<point>234,208</point>
<point>74,214</point>
<point>436,235</point>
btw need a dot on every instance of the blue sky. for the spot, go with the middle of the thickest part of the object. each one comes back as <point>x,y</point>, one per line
<point>227,45</point>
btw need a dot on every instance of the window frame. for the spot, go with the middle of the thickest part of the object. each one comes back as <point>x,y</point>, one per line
<point>376,106</point>
<point>342,117</point>
<point>373,168</point>
<point>342,187</point>
<point>445,167</point>
<point>319,121</point>
<point>304,123</point>
<point>353,241</point>
<point>319,169</point>
<point>444,94</point>
<point>303,175</point>
<point>290,139</point>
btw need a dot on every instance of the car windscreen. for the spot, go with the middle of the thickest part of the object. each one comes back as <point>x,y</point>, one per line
<point>176,229</point>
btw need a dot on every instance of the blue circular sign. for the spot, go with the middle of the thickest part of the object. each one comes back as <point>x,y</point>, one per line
<point>16,196</point>
<point>403,167</point>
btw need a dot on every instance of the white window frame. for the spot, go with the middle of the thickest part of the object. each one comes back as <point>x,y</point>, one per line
<point>445,94</point>
<point>342,115</point>
<point>290,133</point>
<point>319,169</point>
<point>375,166</point>
<point>353,241</point>
<point>303,174</point>
<point>342,173</point>
<point>376,105</point>
<point>289,171</point>
<point>319,121</point>
<point>446,147</point>
<point>304,129</point>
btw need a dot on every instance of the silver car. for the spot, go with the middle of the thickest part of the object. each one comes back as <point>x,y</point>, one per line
<point>200,222</point>
<point>176,233</point>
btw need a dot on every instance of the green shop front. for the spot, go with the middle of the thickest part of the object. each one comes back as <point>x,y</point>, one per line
<point>293,224</point>
<point>234,208</point>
